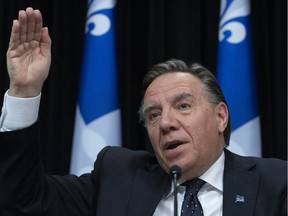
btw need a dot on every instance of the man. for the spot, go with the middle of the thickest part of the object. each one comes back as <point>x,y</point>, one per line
<point>187,120</point>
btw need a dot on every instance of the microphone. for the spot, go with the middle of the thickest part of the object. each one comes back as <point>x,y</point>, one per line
<point>175,173</point>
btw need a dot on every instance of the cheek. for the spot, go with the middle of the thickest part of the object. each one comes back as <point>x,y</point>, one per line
<point>154,137</point>
<point>209,122</point>
<point>202,129</point>
<point>195,126</point>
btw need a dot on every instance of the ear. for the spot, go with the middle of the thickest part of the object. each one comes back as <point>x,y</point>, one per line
<point>222,116</point>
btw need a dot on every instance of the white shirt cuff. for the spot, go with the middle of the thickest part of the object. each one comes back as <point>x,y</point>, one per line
<point>18,113</point>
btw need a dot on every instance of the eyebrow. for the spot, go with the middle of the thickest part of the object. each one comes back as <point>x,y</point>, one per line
<point>182,96</point>
<point>146,108</point>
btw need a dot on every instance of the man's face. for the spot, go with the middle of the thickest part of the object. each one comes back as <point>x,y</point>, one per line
<point>183,127</point>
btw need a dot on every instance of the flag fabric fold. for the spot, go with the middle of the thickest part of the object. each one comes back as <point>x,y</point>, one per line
<point>97,122</point>
<point>236,76</point>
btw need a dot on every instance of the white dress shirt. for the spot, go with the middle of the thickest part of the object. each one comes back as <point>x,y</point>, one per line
<point>210,195</point>
<point>19,113</point>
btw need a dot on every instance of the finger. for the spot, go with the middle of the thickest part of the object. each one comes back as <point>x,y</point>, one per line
<point>14,37</point>
<point>22,18</point>
<point>45,42</point>
<point>38,25</point>
<point>30,24</point>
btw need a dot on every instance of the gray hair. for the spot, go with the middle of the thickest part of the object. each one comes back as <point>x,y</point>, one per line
<point>210,85</point>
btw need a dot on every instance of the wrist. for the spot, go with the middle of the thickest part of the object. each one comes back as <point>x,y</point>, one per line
<point>23,92</point>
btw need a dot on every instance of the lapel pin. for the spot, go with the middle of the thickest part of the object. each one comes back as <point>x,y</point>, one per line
<point>239,199</point>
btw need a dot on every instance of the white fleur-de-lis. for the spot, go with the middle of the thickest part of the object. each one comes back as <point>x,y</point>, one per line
<point>98,24</point>
<point>239,198</point>
<point>237,8</point>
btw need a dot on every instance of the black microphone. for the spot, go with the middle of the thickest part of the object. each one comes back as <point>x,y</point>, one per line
<point>175,173</point>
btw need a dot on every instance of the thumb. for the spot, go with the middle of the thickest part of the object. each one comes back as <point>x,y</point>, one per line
<point>45,42</point>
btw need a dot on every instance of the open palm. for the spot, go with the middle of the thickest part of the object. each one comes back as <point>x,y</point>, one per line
<point>28,55</point>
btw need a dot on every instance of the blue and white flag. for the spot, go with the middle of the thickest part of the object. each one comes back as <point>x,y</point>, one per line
<point>236,75</point>
<point>97,122</point>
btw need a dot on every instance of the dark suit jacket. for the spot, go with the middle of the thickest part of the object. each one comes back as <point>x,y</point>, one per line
<point>126,182</point>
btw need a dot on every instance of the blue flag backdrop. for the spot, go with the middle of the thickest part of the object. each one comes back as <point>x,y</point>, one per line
<point>236,75</point>
<point>97,122</point>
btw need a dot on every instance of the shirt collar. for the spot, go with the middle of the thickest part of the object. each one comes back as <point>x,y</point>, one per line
<point>213,176</point>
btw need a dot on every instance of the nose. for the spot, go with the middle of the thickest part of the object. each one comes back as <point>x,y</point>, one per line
<point>168,121</point>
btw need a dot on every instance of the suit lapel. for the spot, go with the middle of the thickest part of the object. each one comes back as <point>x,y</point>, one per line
<point>148,189</point>
<point>240,186</point>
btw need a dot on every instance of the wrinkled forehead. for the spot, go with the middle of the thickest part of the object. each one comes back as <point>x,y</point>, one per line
<point>170,83</point>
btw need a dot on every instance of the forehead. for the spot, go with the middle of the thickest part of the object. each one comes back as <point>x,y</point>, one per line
<point>170,83</point>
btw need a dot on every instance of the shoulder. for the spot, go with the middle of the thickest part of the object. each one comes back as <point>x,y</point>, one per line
<point>117,164</point>
<point>121,153</point>
<point>123,157</point>
<point>269,169</point>
<point>255,163</point>
<point>261,178</point>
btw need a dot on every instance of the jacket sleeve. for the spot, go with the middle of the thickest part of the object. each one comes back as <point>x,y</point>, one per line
<point>27,190</point>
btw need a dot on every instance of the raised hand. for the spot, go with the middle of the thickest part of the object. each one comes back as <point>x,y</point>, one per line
<point>29,54</point>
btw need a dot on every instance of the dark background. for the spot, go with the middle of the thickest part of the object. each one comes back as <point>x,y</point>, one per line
<point>149,32</point>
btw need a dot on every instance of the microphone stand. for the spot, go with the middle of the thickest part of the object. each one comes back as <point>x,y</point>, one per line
<point>175,174</point>
<point>175,191</point>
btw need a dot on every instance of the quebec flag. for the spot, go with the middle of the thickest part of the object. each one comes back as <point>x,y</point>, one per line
<point>236,76</point>
<point>97,122</point>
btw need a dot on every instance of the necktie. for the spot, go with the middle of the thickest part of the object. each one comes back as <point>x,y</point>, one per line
<point>191,205</point>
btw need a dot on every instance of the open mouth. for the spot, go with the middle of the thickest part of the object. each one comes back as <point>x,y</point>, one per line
<point>172,145</point>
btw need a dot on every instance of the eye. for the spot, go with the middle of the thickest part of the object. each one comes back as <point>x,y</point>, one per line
<point>153,115</point>
<point>184,106</point>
